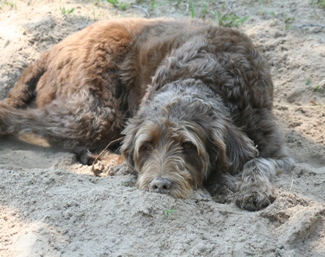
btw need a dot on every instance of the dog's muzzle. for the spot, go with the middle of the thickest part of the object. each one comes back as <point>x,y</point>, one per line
<point>160,185</point>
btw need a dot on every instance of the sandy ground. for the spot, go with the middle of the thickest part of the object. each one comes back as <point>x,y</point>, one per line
<point>50,205</point>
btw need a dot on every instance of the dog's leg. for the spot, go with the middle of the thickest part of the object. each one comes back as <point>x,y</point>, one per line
<point>255,190</point>
<point>24,90</point>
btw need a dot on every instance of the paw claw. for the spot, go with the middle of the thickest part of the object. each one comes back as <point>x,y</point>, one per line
<point>121,169</point>
<point>254,201</point>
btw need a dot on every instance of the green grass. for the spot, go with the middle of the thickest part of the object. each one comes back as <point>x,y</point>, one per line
<point>320,87</point>
<point>288,22</point>
<point>192,9</point>
<point>319,3</point>
<point>81,216</point>
<point>230,20</point>
<point>316,88</point>
<point>203,9</point>
<point>66,11</point>
<point>12,5</point>
<point>118,5</point>
<point>154,5</point>
<point>113,2</point>
<point>167,213</point>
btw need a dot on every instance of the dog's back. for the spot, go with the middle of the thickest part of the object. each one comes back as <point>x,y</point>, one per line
<point>85,87</point>
<point>85,90</point>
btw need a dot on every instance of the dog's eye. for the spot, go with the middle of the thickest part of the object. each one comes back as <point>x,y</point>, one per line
<point>147,147</point>
<point>188,146</point>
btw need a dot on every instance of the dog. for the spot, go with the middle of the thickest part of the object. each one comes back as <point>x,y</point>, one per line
<point>193,101</point>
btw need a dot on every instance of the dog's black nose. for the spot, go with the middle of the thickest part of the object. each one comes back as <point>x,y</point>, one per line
<point>160,185</point>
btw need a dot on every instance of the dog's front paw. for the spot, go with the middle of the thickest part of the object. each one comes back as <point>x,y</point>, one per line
<point>254,197</point>
<point>121,169</point>
<point>108,164</point>
<point>112,169</point>
<point>100,169</point>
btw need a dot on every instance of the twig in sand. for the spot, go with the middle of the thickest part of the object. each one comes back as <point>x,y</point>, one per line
<point>229,4</point>
<point>141,8</point>
<point>101,153</point>
<point>187,6</point>
<point>291,183</point>
<point>309,25</point>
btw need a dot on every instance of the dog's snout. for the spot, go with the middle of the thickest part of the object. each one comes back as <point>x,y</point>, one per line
<point>160,185</point>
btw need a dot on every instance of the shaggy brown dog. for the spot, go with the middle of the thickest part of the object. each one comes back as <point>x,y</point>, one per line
<point>194,101</point>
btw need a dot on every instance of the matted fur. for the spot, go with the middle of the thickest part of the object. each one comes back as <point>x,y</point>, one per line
<point>193,100</point>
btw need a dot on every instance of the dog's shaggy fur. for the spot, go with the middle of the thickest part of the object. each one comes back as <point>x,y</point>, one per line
<point>193,100</point>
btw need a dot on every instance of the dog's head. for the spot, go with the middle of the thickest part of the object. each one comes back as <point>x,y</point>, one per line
<point>180,135</point>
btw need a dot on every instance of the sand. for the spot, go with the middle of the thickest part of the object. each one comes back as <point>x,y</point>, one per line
<point>51,205</point>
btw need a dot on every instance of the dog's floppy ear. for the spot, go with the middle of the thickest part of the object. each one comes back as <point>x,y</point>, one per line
<point>127,148</point>
<point>231,148</point>
<point>217,150</point>
<point>240,148</point>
